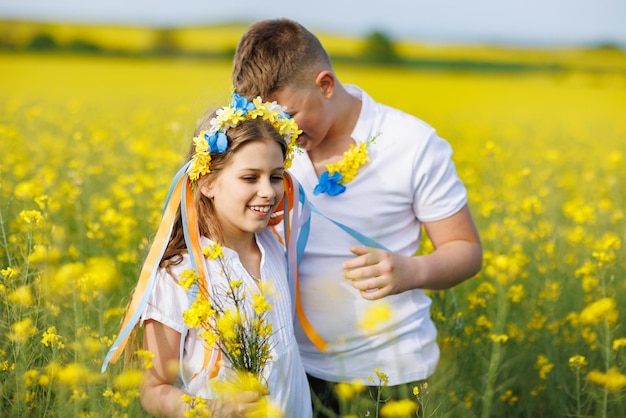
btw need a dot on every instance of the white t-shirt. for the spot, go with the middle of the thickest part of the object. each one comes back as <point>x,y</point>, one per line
<point>285,374</point>
<point>409,180</point>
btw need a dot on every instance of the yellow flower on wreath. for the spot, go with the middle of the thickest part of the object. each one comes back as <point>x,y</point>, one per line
<point>240,109</point>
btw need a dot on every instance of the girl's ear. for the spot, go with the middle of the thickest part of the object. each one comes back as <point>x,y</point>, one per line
<point>207,190</point>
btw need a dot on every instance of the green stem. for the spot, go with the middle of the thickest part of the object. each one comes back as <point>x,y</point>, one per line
<point>578,411</point>
<point>607,352</point>
<point>4,243</point>
<point>607,365</point>
<point>496,355</point>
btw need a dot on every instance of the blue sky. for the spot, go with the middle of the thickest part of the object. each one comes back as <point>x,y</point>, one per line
<point>518,22</point>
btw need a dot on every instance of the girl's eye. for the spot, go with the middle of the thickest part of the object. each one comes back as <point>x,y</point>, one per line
<point>277,178</point>
<point>249,178</point>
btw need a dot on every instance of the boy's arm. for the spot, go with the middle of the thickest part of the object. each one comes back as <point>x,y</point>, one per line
<point>457,257</point>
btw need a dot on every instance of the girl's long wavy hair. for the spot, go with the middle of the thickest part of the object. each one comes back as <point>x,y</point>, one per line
<point>248,131</point>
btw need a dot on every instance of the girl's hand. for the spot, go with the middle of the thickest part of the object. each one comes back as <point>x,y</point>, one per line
<point>248,404</point>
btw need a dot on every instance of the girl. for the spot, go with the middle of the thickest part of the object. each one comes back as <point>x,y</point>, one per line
<point>215,224</point>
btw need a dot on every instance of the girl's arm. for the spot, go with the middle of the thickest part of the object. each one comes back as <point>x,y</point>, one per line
<point>159,396</point>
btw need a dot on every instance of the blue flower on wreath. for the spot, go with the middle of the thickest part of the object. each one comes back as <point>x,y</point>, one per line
<point>241,103</point>
<point>218,142</point>
<point>330,184</point>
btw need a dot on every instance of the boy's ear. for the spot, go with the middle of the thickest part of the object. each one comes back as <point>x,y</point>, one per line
<point>325,81</point>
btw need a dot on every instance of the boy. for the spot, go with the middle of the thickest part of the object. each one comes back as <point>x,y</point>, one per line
<point>378,171</point>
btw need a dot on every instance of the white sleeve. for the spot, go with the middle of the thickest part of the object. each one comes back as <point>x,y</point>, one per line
<point>439,193</point>
<point>167,302</point>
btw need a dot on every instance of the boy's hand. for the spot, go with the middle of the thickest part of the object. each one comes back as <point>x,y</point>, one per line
<point>457,257</point>
<point>377,273</point>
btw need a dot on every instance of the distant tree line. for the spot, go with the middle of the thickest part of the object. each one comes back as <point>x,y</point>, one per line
<point>378,49</point>
<point>44,42</point>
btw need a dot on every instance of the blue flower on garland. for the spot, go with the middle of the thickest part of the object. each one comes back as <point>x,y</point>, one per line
<point>218,142</point>
<point>241,103</point>
<point>330,184</point>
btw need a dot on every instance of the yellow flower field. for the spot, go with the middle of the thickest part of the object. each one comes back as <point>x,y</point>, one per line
<point>90,144</point>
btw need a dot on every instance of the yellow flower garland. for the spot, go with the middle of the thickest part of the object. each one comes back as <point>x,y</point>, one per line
<point>344,171</point>
<point>353,159</point>
<point>214,139</point>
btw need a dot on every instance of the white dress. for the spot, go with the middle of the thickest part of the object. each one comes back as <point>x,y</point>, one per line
<point>286,378</point>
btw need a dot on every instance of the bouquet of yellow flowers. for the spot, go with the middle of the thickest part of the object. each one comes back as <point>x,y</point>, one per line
<point>235,319</point>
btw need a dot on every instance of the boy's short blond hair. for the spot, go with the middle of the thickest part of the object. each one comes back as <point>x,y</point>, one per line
<point>275,53</point>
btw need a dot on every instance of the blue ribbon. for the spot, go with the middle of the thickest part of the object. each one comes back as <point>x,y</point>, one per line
<point>306,225</point>
<point>125,332</point>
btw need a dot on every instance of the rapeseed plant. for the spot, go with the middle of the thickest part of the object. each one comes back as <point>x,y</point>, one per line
<point>84,172</point>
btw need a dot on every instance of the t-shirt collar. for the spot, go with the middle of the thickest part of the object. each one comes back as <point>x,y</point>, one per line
<point>362,131</point>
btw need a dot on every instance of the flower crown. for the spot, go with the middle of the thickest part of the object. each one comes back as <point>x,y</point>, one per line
<point>215,140</point>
